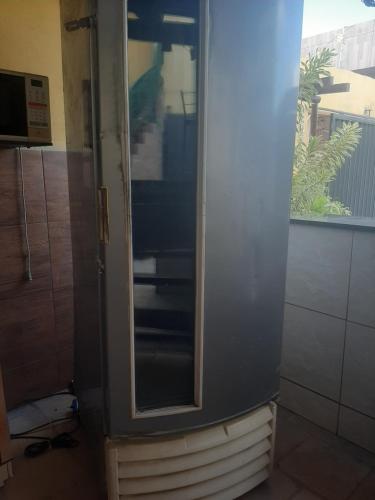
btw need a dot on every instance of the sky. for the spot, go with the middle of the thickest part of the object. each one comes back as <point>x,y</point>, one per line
<point>326,15</point>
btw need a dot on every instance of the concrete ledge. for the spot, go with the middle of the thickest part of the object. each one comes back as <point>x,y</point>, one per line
<point>345,222</point>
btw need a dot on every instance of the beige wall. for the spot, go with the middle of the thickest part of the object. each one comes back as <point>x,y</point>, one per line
<point>360,97</point>
<point>141,55</point>
<point>179,73</point>
<point>77,85</point>
<point>30,41</point>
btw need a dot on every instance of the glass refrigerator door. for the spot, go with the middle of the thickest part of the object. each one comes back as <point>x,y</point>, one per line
<point>163,102</point>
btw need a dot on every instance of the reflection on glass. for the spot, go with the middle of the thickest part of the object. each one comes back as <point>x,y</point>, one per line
<point>162,69</point>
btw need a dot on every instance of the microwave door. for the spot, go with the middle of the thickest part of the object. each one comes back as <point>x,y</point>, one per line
<point>13,116</point>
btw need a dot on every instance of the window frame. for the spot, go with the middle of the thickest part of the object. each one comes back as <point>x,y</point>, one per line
<point>200,224</point>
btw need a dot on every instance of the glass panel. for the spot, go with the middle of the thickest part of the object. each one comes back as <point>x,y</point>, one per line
<point>162,68</point>
<point>13,118</point>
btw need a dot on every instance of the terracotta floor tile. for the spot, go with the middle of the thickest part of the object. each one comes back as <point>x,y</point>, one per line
<point>306,425</point>
<point>55,475</point>
<point>307,428</point>
<point>278,487</point>
<point>324,470</point>
<point>305,495</point>
<point>366,490</point>
<point>289,434</point>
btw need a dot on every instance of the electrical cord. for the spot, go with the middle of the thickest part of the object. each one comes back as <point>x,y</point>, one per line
<point>35,449</point>
<point>63,440</point>
<point>44,443</point>
<point>29,275</point>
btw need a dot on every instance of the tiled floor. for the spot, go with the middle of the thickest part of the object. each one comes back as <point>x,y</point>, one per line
<point>310,464</point>
<point>56,475</point>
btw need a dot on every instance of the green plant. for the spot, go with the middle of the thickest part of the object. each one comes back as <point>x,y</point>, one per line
<point>316,162</point>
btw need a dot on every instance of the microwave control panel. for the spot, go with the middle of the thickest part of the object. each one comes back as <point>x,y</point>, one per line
<point>37,99</point>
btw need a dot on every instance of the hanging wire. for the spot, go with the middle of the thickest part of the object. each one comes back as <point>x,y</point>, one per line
<point>29,275</point>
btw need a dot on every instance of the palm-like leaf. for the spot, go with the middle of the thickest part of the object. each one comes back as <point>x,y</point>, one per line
<point>317,162</point>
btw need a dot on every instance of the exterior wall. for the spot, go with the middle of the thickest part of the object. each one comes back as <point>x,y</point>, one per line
<point>176,77</point>
<point>31,42</point>
<point>36,328</point>
<point>357,101</point>
<point>360,97</point>
<point>327,370</point>
<point>142,55</point>
<point>179,76</point>
<point>353,44</point>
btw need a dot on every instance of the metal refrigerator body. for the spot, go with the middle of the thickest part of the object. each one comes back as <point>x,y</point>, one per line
<point>252,63</point>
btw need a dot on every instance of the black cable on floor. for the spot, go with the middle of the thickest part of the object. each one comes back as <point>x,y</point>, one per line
<point>44,443</point>
<point>63,440</point>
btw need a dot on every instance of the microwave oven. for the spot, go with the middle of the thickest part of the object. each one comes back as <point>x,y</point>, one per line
<point>24,109</point>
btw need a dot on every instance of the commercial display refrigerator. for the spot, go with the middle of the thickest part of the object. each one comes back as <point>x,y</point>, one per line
<point>180,119</point>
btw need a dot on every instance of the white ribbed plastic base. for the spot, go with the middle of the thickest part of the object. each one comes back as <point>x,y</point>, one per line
<point>220,462</point>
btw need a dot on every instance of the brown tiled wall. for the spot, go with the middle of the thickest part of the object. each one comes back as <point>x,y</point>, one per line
<point>36,318</point>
